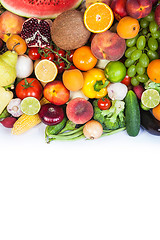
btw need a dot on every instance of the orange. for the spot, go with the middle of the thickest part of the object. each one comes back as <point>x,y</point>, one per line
<point>46,71</point>
<point>73,79</point>
<point>98,17</point>
<point>16,43</point>
<point>84,59</point>
<point>156,112</point>
<point>153,70</point>
<point>128,27</point>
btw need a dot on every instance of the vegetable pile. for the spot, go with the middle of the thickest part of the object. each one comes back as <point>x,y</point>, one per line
<point>82,79</point>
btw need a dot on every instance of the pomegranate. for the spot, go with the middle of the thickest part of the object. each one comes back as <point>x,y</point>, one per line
<point>36,32</point>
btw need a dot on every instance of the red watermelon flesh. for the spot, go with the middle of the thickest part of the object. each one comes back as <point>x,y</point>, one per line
<point>40,8</point>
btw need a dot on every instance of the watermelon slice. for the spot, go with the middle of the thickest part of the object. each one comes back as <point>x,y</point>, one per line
<point>39,8</point>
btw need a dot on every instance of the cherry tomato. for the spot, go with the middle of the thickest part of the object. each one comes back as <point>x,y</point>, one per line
<point>126,80</point>
<point>49,56</point>
<point>29,87</point>
<point>60,66</point>
<point>69,55</point>
<point>61,52</point>
<point>33,53</point>
<point>104,103</point>
<point>71,67</point>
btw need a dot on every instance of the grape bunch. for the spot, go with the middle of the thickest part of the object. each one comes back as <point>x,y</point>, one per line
<point>142,49</point>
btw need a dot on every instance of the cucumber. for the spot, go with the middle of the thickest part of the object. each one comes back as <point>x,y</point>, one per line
<point>132,114</point>
<point>55,129</point>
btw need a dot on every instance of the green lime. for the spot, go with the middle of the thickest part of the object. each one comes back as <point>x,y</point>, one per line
<point>30,106</point>
<point>144,107</point>
<point>115,71</point>
<point>150,98</point>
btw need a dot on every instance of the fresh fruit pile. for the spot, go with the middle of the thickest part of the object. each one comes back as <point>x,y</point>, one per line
<point>84,70</point>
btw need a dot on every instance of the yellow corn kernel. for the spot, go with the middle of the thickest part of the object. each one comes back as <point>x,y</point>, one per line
<point>24,123</point>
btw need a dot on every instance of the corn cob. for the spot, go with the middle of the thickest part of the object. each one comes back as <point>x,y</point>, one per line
<point>26,122</point>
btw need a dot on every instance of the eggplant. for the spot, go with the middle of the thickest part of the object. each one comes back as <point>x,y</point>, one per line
<point>150,123</point>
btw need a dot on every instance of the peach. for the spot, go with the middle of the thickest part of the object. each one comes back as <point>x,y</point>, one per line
<point>79,110</point>
<point>108,45</point>
<point>10,24</point>
<point>138,8</point>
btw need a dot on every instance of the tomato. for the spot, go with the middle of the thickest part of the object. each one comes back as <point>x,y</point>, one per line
<point>71,67</point>
<point>69,55</point>
<point>33,53</point>
<point>126,80</point>
<point>61,67</point>
<point>60,52</point>
<point>104,103</point>
<point>29,87</point>
<point>49,56</point>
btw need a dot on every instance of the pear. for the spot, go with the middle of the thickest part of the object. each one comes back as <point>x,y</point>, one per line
<point>8,61</point>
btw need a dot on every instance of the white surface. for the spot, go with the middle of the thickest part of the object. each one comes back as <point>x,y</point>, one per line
<point>106,189</point>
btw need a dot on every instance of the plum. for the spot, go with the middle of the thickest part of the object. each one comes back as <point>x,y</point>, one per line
<point>79,110</point>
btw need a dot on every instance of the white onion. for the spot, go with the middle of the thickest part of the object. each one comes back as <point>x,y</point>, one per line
<point>24,66</point>
<point>92,130</point>
<point>117,91</point>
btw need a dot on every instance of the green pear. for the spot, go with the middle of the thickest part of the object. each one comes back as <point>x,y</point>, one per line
<point>8,61</point>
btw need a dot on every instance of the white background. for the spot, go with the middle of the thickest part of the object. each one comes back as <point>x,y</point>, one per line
<point>106,189</point>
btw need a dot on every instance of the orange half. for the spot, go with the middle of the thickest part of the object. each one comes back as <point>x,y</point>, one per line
<point>98,17</point>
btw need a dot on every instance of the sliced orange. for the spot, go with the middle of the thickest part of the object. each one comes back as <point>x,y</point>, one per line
<point>98,17</point>
<point>46,71</point>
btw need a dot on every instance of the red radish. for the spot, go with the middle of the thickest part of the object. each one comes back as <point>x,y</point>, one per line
<point>8,122</point>
<point>138,91</point>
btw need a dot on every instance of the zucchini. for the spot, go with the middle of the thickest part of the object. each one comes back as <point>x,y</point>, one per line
<point>55,129</point>
<point>132,114</point>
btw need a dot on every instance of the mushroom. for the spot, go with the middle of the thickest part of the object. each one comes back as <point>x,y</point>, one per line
<point>14,107</point>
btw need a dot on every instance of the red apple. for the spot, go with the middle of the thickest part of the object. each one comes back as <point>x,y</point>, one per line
<point>138,8</point>
<point>119,8</point>
<point>154,1</point>
<point>157,15</point>
<point>56,93</point>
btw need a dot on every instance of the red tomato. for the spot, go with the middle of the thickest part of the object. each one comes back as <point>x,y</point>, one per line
<point>60,52</point>
<point>29,87</point>
<point>104,103</point>
<point>126,80</point>
<point>71,67</point>
<point>33,53</point>
<point>69,55</point>
<point>49,56</point>
<point>61,67</point>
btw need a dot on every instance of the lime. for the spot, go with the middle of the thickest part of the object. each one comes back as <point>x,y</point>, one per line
<point>30,106</point>
<point>150,98</point>
<point>115,71</point>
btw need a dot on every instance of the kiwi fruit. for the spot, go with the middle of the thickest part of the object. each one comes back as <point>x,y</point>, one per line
<point>68,31</point>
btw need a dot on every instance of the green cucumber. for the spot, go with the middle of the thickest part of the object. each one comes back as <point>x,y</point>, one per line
<point>55,129</point>
<point>132,114</point>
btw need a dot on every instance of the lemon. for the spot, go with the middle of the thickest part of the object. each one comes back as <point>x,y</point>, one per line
<point>30,106</point>
<point>46,71</point>
<point>150,98</point>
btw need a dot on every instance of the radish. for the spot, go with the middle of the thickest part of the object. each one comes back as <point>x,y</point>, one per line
<point>8,122</point>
